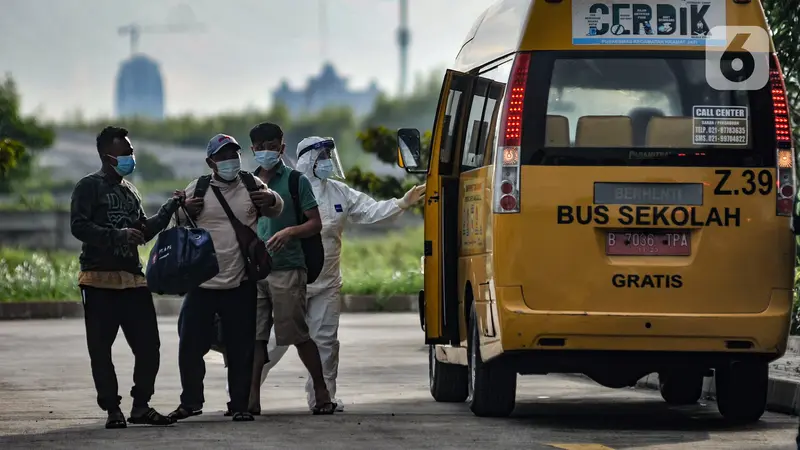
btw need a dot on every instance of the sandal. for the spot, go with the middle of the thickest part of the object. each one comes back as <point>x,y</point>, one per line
<point>116,420</point>
<point>182,413</point>
<point>325,409</point>
<point>150,417</point>
<point>243,417</point>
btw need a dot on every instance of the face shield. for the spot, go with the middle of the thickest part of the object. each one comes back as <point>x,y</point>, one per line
<point>327,163</point>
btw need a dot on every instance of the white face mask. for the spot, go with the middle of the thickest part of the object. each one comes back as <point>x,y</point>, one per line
<point>267,158</point>
<point>324,169</point>
<point>229,169</point>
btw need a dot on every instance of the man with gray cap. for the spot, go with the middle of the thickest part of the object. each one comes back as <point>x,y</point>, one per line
<point>229,294</point>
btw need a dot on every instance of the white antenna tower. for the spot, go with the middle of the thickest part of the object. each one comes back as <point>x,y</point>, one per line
<point>323,31</point>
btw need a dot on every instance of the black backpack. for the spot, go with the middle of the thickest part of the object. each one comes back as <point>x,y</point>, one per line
<point>205,181</point>
<point>312,246</point>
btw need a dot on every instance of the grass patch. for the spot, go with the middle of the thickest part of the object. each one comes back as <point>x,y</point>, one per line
<point>383,266</point>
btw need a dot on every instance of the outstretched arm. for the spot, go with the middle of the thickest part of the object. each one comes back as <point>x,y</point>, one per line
<point>154,224</point>
<point>366,210</point>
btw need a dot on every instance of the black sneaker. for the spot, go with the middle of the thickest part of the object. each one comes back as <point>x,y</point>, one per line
<point>243,417</point>
<point>116,420</point>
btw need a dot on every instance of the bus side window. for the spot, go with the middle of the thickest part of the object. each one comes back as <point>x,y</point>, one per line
<point>475,127</point>
<point>449,124</point>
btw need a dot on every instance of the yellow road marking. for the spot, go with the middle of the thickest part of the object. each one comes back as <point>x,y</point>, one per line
<point>580,446</point>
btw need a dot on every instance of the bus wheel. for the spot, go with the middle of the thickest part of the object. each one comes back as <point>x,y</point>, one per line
<point>492,385</point>
<point>742,391</point>
<point>448,382</point>
<point>681,388</point>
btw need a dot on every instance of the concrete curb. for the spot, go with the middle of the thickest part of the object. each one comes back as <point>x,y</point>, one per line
<point>783,395</point>
<point>171,306</point>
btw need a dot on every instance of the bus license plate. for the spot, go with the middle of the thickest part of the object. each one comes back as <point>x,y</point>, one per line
<point>636,243</point>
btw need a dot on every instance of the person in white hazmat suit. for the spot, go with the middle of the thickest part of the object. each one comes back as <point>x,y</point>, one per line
<point>318,160</point>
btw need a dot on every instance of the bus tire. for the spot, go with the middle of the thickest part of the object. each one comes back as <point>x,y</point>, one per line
<point>742,391</point>
<point>492,385</point>
<point>448,382</point>
<point>680,388</point>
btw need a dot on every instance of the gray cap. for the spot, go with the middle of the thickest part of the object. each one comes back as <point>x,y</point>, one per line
<point>219,141</point>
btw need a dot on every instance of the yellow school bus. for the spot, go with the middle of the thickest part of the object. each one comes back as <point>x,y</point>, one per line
<point>610,191</point>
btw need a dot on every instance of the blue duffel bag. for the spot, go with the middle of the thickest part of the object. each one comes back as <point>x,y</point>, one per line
<point>182,259</point>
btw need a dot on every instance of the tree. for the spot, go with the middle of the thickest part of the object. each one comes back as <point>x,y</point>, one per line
<point>150,168</point>
<point>382,142</point>
<point>414,111</point>
<point>785,27</point>
<point>187,130</point>
<point>20,137</point>
<point>10,154</point>
<point>379,135</point>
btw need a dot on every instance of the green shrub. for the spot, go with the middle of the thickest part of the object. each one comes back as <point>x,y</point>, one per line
<point>37,277</point>
<point>383,266</point>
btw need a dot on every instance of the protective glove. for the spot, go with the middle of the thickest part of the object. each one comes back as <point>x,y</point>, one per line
<point>412,197</point>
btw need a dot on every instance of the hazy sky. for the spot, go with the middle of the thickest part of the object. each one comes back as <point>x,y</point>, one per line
<point>64,54</point>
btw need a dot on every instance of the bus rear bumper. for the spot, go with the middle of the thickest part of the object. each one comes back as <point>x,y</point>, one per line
<point>524,329</point>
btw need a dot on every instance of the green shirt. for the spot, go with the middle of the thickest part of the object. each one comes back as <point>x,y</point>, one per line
<point>291,255</point>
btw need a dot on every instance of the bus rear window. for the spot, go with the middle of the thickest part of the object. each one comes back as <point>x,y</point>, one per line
<point>643,111</point>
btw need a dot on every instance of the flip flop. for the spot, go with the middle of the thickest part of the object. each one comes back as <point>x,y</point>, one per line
<point>181,413</point>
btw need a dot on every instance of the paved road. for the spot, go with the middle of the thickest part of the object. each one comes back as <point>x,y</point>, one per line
<point>47,401</point>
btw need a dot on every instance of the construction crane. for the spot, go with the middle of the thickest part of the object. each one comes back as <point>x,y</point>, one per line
<point>135,30</point>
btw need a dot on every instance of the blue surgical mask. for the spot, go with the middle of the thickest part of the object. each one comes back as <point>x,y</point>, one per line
<point>267,158</point>
<point>229,169</point>
<point>125,165</point>
<point>324,168</point>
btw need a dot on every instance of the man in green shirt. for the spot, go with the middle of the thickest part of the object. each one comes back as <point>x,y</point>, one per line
<point>283,293</point>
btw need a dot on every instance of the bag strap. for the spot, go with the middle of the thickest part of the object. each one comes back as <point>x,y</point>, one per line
<point>294,191</point>
<point>202,186</point>
<point>234,221</point>
<point>189,221</point>
<point>249,181</point>
<point>225,206</point>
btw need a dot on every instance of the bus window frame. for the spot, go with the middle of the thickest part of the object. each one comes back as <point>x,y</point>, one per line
<point>535,153</point>
<point>446,166</point>
<point>495,75</point>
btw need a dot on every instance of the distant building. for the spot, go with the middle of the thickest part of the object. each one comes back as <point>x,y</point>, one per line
<point>140,90</point>
<point>328,89</point>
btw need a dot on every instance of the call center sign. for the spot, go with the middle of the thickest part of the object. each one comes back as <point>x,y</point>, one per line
<point>646,22</point>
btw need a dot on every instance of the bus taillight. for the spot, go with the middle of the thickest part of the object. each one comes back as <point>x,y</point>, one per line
<point>783,140</point>
<point>507,153</point>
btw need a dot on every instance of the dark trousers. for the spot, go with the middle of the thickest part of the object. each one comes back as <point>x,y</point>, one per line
<point>105,311</point>
<point>237,311</point>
